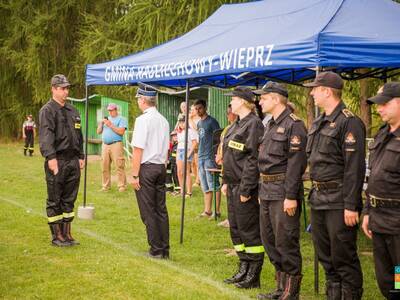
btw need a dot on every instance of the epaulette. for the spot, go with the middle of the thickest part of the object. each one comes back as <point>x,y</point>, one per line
<point>294,117</point>
<point>347,113</point>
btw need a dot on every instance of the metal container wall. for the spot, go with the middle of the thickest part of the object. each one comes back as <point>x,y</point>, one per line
<point>168,106</point>
<point>217,105</point>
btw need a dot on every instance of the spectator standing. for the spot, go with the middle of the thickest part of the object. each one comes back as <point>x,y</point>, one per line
<point>193,121</point>
<point>192,144</point>
<point>113,129</point>
<point>206,127</point>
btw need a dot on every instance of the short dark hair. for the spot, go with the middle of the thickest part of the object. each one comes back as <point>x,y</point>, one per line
<point>201,102</point>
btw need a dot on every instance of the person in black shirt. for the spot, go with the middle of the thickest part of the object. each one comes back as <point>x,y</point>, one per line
<point>381,220</point>
<point>336,152</point>
<point>240,178</point>
<point>61,143</point>
<point>282,161</point>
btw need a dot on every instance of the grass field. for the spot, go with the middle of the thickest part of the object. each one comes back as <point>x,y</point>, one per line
<point>111,261</point>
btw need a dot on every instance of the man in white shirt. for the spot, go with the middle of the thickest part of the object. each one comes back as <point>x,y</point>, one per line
<point>150,143</point>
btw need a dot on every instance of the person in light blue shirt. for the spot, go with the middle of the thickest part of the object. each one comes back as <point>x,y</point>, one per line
<point>113,129</point>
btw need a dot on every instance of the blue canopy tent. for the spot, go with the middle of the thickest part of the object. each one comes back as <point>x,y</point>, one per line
<point>250,43</point>
<point>284,40</point>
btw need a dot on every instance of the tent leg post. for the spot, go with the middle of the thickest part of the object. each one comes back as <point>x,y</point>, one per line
<point>185,161</point>
<point>83,211</point>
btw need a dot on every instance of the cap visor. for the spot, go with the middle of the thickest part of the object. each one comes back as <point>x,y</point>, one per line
<point>379,99</point>
<point>260,92</point>
<point>310,84</point>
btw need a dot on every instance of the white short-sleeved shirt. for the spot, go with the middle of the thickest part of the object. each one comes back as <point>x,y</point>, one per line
<point>151,133</point>
<point>181,139</point>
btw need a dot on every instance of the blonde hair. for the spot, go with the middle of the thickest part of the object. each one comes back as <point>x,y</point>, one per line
<point>249,105</point>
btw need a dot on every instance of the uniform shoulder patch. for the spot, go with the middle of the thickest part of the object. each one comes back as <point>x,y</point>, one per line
<point>347,113</point>
<point>294,117</point>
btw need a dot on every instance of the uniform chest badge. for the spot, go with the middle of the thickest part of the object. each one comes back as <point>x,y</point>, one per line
<point>236,145</point>
<point>295,140</point>
<point>350,138</point>
<point>280,130</point>
<point>332,125</point>
<point>77,125</point>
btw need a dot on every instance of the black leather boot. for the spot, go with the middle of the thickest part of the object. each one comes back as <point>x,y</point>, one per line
<point>252,279</point>
<point>57,237</point>
<point>292,287</point>
<point>333,290</point>
<point>280,278</point>
<point>349,293</point>
<point>66,230</point>
<point>240,274</point>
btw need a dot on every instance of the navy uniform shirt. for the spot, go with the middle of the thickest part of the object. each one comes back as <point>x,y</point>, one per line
<point>282,151</point>
<point>60,131</point>
<point>336,152</point>
<point>384,180</point>
<point>240,152</point>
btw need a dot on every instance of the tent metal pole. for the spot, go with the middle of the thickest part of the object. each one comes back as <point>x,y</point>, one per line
<point>316,265</point>
<point>86,144</point>
<point>185,164</point>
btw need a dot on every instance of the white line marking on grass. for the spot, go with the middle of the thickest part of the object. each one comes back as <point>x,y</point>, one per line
<point>166,263</point>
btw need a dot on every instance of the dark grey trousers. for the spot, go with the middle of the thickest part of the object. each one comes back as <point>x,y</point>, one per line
<point>152,206</point>
<point>386,249</point>
<point>280,235</point>
<point>336,245</point>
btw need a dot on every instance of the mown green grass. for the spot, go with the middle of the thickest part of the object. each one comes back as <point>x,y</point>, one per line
<point>111,261</point>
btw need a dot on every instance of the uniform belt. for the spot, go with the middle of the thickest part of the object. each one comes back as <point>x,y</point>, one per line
<point>272,177</point>
<point>112,142</point>
<point>67,155</point>
<point>383,202</point>
<point>325,185</point>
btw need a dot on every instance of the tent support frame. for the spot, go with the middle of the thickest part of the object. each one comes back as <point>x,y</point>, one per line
<point>185,164</point>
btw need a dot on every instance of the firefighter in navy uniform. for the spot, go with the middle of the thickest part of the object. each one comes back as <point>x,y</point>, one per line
<point>381,220</point>
<point>240,178</point>
<point>282,161</point>
<point>61,143</point>
<point>336,152</point>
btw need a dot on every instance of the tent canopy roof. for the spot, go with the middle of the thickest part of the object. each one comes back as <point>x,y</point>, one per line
<point>272,39</point>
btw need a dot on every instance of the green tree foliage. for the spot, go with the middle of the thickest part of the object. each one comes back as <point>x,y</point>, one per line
<point>41,38</point>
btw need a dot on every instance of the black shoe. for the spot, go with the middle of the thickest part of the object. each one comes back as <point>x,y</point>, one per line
<point>59,243</point>
<point>252,279</point>
<point>333,290</point>
<point>155,256</point>
<point>240,274</point>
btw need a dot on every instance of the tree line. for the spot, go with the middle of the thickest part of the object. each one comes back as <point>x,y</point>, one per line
<point>44,37</point>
